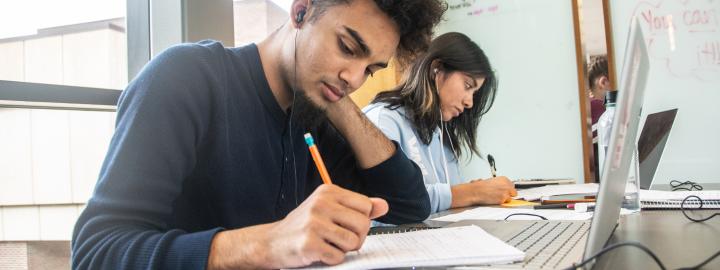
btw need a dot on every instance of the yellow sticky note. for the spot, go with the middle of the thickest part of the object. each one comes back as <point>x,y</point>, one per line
<point>518,203</point>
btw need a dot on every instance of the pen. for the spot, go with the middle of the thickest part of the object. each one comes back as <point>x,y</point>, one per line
<point>317,158</point>
<point>567,201</point>
<point>491,160</point>
<point>554,206</point>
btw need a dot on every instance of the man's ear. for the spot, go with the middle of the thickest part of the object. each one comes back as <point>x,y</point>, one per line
<point>299,12</point>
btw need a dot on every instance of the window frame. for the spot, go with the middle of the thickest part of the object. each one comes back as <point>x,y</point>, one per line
<point>29,95</point>
<point>175,22</point>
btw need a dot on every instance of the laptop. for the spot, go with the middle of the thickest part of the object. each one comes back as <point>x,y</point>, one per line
<point>559,244</point>
<point>651,144</point>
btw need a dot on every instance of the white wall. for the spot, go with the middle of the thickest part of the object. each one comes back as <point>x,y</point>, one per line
<point>96,58</point>
<point>16,185</point>
<point>50,159</point>
<point>43,60</point>
<point>21,223</point>
<point>38,223</point>
<point>12,56</point>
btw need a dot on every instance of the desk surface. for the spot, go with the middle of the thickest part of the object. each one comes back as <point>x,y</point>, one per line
<point>677,241</point>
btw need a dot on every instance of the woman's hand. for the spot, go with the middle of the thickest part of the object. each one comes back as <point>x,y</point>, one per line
<point>492,191</point>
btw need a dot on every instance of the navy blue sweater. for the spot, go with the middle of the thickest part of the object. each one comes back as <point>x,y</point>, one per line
<point>201,145</point>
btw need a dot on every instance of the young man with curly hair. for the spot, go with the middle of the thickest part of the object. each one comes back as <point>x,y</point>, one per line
<point>208,168</point>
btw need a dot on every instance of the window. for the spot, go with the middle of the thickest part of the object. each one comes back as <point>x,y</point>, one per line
<point>253,20</point>
<point>74,42</point>
<point>63,66</point>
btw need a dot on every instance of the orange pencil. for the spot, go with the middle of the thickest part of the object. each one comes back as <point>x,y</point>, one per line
<point>317,158</point>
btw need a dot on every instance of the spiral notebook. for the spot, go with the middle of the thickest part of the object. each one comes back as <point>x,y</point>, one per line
<point>656,199</point>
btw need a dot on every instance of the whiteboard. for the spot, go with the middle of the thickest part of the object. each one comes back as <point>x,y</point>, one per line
<point>683,40</point>
<point>533,130</point>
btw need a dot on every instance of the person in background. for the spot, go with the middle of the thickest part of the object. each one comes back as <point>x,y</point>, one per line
<point>599,83</point>
<point>208,168</point>
<point>435,112</point>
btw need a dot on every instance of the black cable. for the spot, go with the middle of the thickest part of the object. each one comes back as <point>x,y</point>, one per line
<point>683,209</point>
<point>679,185</point>
<point>292,149</point>
<point>525,214</point>
<point>614,246</point>
<point>646,250</point>
<point>702,263</point>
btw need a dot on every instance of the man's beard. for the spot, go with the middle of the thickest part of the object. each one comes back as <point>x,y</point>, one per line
<point>305,112</point>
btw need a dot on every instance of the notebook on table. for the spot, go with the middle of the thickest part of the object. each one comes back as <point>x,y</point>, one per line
<point>656,199</point>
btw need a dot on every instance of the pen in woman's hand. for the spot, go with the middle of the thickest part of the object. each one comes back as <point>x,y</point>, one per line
<point>491,160</point>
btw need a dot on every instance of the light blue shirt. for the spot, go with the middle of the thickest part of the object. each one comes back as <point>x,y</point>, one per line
<point>434,159</point>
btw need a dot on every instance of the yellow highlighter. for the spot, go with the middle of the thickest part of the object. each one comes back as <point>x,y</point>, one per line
<point>317,158</point>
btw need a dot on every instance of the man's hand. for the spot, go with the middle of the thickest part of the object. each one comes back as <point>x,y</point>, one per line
<point>331,222</point>
<point>496,190</point>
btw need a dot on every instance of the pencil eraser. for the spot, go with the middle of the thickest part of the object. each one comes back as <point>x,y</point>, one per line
<point>309,139</point>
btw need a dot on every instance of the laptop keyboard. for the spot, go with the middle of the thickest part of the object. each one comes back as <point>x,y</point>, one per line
<point>546,243</point>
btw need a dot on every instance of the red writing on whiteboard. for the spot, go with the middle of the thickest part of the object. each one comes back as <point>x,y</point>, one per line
<point>690,18</point>
<point>709,54</point>
<point>700,20</point>
<point>683,36</point>
<point>482,10</point>
<point>657,22</point>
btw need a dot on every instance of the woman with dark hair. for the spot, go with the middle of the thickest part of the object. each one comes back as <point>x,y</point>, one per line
<point>435,112</point>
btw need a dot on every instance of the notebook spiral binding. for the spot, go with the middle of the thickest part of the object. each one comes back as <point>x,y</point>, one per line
<point>668,204</point>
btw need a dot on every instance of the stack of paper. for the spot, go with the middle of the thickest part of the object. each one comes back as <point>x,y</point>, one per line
<point>494,213</point>
<point>537,193</point>
<point>468,245</point>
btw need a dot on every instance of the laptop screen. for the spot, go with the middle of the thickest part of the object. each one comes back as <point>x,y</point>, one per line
<point>622,141</point>
<point>652,141</point>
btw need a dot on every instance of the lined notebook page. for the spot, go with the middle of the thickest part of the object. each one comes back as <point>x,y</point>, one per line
<point>438,247</point>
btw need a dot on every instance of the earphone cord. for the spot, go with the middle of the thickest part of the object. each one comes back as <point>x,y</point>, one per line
<point>292,112</point>
<point>442,151</point>
<point>442,144</point>
<point>452,147</point>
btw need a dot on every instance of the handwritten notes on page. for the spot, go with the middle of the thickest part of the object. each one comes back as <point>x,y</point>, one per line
<point>468,245</point>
